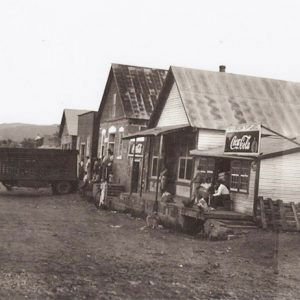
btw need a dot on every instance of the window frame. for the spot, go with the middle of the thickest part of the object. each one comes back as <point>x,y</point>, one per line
<point>186,158</point>
<point>239,172</point>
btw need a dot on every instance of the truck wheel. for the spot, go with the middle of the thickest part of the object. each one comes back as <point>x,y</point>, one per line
<point>63,187</point>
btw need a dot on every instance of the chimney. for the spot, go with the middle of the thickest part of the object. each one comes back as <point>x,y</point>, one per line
<point>222,68</point>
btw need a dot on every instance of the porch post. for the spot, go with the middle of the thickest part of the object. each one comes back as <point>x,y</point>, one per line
<point>143,165</point>
<point>133,158</point>
<point>256,187</point>
<point>155,208</point>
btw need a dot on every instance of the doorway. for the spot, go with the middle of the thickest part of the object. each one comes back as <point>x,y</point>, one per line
<point>135,176</point>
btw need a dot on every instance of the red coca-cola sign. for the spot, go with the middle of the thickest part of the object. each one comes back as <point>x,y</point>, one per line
<point>243,139</point>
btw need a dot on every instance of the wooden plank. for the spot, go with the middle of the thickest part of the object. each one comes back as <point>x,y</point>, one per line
<point>295,216</point>
<point>262,213</point>
<point>272,212</point>
<point>282,214</point>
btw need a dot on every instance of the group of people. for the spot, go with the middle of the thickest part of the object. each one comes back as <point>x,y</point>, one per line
<point>207,195</point>
<point>96,171</point>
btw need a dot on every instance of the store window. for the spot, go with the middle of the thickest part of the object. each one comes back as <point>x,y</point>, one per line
<point>207,166</point>
<point>240,174</point>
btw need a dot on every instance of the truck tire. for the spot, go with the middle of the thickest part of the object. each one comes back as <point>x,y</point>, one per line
<point>62,187</point>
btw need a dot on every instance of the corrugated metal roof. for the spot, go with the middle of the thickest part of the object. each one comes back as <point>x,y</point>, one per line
<point>138,88</point>
<point>217,99</point>
<point>71,119</point>
<point>155,131</point>
<point>269,145</point>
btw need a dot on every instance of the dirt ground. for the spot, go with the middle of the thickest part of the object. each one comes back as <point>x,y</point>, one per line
<point>62,247</point>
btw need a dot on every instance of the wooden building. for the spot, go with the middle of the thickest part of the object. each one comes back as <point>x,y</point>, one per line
<point>129,98</point>
<point>69,128</point>
<point>87,138</point>
<point>188,124</point>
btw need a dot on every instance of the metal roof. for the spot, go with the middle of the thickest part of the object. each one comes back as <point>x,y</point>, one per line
<point>217,100</point>
<point>70,119</point>
<point>155,131</point>
<point>138,88</point>
<point>270,146</point>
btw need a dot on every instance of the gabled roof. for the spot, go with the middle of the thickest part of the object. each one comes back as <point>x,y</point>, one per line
<point>138,88</point>
<point>70,119</point>
<point>216,100</point>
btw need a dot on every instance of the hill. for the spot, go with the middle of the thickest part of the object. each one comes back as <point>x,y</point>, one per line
<point>18,131</point>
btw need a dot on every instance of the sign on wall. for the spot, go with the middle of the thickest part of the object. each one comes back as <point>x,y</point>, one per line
<point>243,139</point>
<point>139,148</point>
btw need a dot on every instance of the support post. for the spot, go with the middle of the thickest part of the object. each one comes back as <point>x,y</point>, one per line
<point>282,214</point>
<point>256,187</point>
<point>262,213</point>
<point>133,158</point>
<point>155,208</point>
<point>143,167</point>
<point>295,216</point>
<point>272,213</point>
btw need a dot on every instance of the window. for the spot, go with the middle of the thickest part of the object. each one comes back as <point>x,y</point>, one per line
<point>114,106</point>
<point>240,173</point>
<point>120,149</point>
<point>155,141</point>
<point>101,148</point>
<point>185,163</point>
<point>111,142</point>
<point>185,168</point>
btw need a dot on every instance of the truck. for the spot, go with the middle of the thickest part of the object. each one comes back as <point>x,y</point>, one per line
<point>37,168</point>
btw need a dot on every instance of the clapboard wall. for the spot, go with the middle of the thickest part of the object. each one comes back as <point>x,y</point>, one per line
<point>279,178</point>
<point>208,139</point>
<point>173,112</point>
<point>243,202</point>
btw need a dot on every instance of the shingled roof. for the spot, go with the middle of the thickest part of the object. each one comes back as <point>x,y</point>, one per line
<point>138,88</point>
<point>216,100</point>
<point>70,119</point>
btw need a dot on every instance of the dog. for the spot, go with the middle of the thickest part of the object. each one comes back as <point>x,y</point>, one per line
<point>152,221</point>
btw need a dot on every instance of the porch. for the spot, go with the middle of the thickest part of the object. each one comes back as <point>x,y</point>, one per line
<point>176,215</point>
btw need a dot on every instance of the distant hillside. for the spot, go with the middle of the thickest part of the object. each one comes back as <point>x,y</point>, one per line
<point>18,131</point>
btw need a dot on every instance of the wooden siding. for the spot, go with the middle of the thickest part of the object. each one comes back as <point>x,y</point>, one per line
<point>279,178</point>
<point>243,203</point>
<point>210,139</point>
<point>173,112</point>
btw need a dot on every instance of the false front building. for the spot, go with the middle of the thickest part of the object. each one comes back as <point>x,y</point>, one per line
<point>129,98</point>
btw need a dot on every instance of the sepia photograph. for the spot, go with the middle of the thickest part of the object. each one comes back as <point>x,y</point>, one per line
<point>150,149</point>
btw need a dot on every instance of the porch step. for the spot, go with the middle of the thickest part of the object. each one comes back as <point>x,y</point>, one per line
<point>228,215</point>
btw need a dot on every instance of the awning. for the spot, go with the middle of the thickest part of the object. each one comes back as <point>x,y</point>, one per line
<point>155,131</point>
<point>217,152</point>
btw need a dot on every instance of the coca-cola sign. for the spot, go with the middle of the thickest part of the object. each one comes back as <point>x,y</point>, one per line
<point>243,139</point>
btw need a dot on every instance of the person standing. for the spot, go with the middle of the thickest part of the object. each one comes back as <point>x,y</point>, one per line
<point>196,182</point>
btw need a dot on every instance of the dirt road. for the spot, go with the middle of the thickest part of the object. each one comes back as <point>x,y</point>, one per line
<point>54,247</point>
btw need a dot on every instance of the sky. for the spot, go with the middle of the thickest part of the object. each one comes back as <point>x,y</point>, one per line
<point>56,54</point>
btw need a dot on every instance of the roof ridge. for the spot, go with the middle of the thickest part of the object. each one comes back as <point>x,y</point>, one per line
<point>139,67</point>
<point>234,74</point>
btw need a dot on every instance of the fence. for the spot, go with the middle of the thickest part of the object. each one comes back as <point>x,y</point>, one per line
<point>278,215</point>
